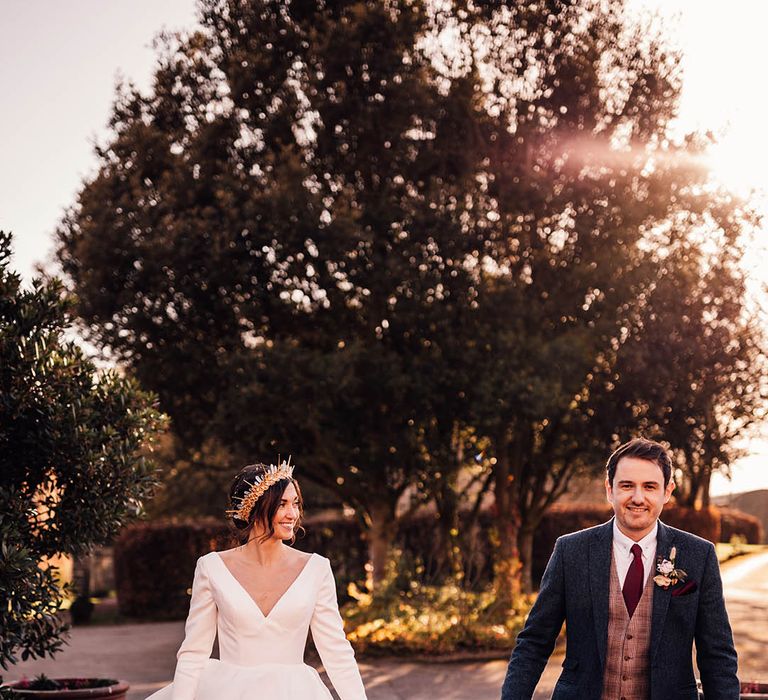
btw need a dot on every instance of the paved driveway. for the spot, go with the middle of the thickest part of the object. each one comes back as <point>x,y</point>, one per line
<point>144,654</point>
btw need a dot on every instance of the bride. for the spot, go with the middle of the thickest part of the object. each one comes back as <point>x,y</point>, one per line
<point>261,598</point>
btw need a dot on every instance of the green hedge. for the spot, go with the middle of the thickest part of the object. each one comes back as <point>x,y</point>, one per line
<point>737,524</point>
<point>713,524</point>
<point>154,562</point>
<point>704,522</point>
<point>560,520</point>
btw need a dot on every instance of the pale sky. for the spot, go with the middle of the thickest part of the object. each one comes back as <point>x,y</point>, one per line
<point>59,62</point>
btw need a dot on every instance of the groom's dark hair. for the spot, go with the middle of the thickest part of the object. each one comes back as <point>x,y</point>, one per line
<point>642,449</point>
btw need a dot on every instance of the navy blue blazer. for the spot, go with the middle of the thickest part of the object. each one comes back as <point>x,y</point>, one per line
<point>575,590</point>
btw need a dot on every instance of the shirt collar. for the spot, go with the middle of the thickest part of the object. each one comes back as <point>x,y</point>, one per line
<point>647,544</point>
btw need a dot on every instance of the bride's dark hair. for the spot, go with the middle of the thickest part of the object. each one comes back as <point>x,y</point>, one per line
<point>263,512</point>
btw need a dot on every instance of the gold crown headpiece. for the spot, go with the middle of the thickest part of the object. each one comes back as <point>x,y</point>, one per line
<point>272,474</point>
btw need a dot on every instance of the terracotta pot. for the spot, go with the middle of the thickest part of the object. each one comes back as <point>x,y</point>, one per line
<point>754,690</point>
<point>750,690</point>
<point>114,692</point>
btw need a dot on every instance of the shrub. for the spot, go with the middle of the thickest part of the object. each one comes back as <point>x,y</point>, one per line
<point>173,548</point>
<point>72,467</point>
<point>339,539</point>
<point>560,520</point>
<point>429,619</point>
<point>704,522</point>
<point>154,563</point>
<point>144,549</point>
<point>735,523</point>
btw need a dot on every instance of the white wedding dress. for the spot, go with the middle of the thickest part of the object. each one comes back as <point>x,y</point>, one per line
<point>262,656</point>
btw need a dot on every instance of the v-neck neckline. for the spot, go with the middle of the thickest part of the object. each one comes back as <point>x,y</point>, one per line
<point>252,599</point>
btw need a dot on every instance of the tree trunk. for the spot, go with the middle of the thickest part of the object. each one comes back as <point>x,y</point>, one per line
<point>381,534</point>
<point>507,566</point>
<point>525,547</point>
<point>689,486</point>
<point>684,491</point>
<point>447,501</point>
<point>706,478</point>
<point>448,527</point>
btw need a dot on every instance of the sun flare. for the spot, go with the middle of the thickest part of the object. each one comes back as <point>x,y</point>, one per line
<point>738,162</point>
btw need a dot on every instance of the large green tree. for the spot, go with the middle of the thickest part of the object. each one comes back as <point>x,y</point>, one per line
<point>277,233</point>
<point>374,234</point>
<point>73,464</point>
<point>691,370</point>
<point>585,192</point>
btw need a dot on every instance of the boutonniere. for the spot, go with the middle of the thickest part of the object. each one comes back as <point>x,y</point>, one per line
<point>668,574</point>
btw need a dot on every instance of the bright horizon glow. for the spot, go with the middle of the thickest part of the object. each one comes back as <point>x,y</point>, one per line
<point>733,160</point>
<point>60,87</point>
<point>722,59</point>
<point>748,474</point>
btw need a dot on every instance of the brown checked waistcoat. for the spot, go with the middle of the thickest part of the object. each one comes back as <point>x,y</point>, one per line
<point>627,666</point>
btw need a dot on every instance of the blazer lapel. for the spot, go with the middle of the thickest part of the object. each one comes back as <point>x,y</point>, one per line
<point>599,580</point>
<point>661,596</point>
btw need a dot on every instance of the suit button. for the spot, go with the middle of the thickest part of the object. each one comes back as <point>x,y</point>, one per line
<point>627,658</point>
<point>625,678</point>
<point>629,636</point>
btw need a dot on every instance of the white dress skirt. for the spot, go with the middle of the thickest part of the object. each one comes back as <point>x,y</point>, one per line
<point>261,657</point>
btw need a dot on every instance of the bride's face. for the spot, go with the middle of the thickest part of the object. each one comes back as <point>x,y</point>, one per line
<point>287,514</point>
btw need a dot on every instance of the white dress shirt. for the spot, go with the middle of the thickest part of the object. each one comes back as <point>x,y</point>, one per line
<point>622,554</point>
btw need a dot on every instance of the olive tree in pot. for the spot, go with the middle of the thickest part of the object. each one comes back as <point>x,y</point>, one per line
<point>73,465</point>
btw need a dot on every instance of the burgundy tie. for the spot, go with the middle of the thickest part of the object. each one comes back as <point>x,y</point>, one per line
<point>633,583</point>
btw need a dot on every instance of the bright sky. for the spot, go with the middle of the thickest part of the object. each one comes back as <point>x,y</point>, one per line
<point>59,65</point>
<point>60,61</point>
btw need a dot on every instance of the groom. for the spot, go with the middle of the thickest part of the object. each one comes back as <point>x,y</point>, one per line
<point>634,594</point>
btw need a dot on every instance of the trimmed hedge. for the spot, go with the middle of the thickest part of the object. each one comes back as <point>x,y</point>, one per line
<point>341,540</point>
<point>560,520</point>
<point>154,562</point>
<point>737,524</point>
<point>704,522</point>
<point>710,523</point>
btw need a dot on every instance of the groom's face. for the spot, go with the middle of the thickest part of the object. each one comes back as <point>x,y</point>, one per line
<point>637,495</point>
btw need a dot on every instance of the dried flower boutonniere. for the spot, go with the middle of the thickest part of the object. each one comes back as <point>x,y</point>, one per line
<point>668,574</point>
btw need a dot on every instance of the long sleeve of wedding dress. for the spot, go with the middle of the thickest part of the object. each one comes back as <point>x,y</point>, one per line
<point>334,648</point>
<point>199,633</point>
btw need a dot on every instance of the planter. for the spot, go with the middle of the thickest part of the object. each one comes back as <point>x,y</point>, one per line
<point>754,690</point>
<point>750,690</point>
<point>116,691</point>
